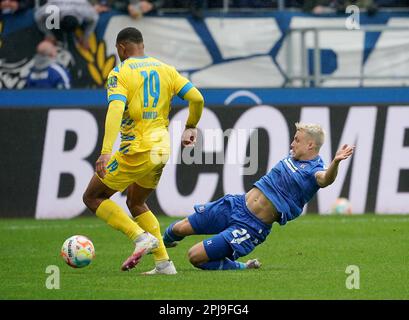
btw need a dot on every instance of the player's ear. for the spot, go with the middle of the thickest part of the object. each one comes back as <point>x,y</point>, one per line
<point>120,46</point>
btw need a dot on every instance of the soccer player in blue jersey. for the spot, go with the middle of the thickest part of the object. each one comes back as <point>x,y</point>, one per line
<point>241,222</point>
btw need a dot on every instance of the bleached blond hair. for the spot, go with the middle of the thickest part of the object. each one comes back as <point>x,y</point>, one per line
<point>314,130</point>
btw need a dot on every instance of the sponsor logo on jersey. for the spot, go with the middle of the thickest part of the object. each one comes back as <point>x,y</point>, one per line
<point>112,82</point>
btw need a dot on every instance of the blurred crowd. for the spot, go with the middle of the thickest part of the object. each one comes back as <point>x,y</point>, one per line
<point>84,14</point>
<point>138,8</point>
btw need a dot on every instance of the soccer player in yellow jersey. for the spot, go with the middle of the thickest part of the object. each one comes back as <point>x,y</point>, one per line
<point>140,90</point>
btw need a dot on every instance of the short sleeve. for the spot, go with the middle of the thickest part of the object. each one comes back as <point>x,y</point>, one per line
<point>320,166</point>
<point>181,84</point>
<point>116,86</point>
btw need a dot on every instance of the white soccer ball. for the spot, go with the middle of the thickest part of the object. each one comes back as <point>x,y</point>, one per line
<point>341,206</point>
<point>78,251</point>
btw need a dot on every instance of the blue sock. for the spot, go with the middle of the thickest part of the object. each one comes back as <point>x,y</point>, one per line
<point>225,264</point>
<point>169,236</point>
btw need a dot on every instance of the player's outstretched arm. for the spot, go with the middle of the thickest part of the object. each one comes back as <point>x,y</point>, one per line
<point>325,178</point>
<point>196,104</point>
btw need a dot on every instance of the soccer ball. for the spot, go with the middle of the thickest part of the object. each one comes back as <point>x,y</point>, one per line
<point>78,251</point>
<point>341,206</point>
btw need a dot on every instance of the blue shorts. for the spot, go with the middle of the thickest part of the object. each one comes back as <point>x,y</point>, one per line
<point>235,225</point>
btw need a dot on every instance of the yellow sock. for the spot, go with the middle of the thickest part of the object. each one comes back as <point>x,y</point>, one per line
<point>117,218</point>
<point>148,222</point>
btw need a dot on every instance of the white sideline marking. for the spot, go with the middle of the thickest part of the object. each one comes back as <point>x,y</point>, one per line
<point>354,219</point>
<point>54,226</point>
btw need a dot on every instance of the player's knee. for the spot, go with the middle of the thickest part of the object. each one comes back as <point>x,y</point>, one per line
<point>195,256</point>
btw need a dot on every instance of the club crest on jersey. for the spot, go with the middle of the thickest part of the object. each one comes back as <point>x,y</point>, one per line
<point>112,82</point>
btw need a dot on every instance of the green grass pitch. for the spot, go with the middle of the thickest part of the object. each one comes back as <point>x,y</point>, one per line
<point>306,259</point>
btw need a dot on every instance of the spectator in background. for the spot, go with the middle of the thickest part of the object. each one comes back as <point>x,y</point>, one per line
<point>73,14</point>
<point>392,3</point>
<point>135,8</point>
<point>321,6</point>
<point>46,72</point>
<point>338,6</point>
<point>251,3</point>
<point>101,6</point>
<point>15,6</point>
<point>138,8</point>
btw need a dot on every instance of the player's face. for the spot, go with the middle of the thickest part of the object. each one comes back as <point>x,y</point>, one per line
<point>301,145</point>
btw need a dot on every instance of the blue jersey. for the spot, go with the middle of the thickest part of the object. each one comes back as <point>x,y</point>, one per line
<point>290,185</point>
<point>53,76</point>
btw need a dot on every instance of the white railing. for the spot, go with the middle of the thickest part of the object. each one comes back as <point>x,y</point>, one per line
<point>317,77</point>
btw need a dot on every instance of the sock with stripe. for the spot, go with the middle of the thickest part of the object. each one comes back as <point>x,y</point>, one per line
<point>169,236</point>
<point>150,223</point>
<point>225,264</point>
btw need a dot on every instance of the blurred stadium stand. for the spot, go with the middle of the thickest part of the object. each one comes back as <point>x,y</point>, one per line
<point>229,47</point>
<point>292,64</point>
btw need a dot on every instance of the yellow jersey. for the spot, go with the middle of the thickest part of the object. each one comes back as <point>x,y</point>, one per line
<point>146,86</point>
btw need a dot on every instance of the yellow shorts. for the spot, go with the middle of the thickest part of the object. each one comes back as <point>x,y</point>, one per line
<point>143,168</point>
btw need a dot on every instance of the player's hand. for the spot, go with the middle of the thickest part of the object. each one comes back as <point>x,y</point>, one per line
<point>100,165</point>
<point>344,153</point>
<point>189,137</point>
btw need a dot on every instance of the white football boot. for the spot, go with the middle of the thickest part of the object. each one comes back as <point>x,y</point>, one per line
<point>165,267</point>
<point>253,264</point>
<point>143,245</point>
